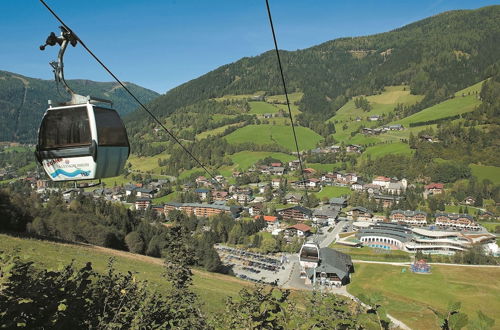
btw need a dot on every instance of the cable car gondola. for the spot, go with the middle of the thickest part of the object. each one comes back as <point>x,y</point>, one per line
<point>80,140</point>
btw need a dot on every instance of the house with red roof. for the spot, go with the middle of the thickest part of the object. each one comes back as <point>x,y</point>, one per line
<point>272,221</point>
<point>433,189</point>
<point>299,230</point>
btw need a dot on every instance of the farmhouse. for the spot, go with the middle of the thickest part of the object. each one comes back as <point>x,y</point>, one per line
<point>387,200</point>
<point>293,198</point>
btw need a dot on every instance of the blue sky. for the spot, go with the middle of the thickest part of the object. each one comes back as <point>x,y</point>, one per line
<point>160,44</point>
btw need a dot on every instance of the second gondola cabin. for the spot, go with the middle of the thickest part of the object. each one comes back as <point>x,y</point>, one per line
<point>82,142</point>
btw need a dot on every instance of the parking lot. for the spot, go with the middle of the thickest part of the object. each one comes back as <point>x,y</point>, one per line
<point>255,267</point>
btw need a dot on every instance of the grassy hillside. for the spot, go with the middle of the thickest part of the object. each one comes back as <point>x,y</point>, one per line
<point>211,287</point>
<point>381,104</point>
<point>388,148</point>
<point>482,172</point>
<point>274,134</point>
<point>408,296</point>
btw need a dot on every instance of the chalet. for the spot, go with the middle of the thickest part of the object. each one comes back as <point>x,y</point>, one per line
<point>396,127</point>
<point>359,213</point>
<point>243,196</point>
<point>237,174</point>
<point>381,181</point>
<point>387,200</point>
<point>456,221</point>
<point>372,189</point>
<point>326,215</point>
<point>272,221</point>
<point>276,164</point>
<point>470,200</point>
<point>328,178</point>
<point>145,192</point>
<point>279,170</point>
<point>203,210</point>
<point>202,193</point>
<point>298,213</point>
<point>299,230</point>
<point>255,209</point>
<point>219,195</point>
<point>354,148</point>
<point>434,189</point>
<point>427,138</point>
<point>314,183</point>
<point>294,164</point>
<point>486,215</point>
<point>275,183</point>
<point>309,170</point>
<point>268,115</point>
<point>293,198</point>
<point>357,185</point>
<point>338,202</point>
<point>374,118</point>
<point>333,269</point>
<point>413,218</point>
<point>397,187</point>
<point>142,203</point>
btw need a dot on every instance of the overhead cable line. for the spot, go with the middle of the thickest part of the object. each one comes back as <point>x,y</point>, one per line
<point>286,96</point>
<point>131,94</point>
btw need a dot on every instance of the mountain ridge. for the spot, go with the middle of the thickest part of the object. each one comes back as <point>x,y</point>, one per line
<point>23,100</point>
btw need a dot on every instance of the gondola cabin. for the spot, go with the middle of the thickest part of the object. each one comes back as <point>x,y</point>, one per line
<point>82,142</point>
<point>308,256</point>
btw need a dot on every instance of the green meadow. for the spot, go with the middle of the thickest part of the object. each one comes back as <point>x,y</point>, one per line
<point>482,172</point>
<point>409,297</point>
<point>245,159</point>
<point>387,148</point>
<point>260,108</point>
<point>333,191</point>
<point>270,134</point>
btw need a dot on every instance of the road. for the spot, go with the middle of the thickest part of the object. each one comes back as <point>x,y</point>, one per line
<point>330,237</point>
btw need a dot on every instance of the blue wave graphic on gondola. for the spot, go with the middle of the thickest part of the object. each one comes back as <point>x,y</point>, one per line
<point>69,174</point>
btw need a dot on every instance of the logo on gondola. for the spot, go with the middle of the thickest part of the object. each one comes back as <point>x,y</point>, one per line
<point>66,161</point>
<point>69,174</point>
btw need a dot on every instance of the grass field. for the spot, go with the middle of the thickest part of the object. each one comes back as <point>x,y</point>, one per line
<point>486,172</point>
<point>215,131</point>
<point>324,167</point>
<point>333,191</point>
<point>408,296</point>
<point>455,208</point>
<point>260,108</point>
<point>212,288</point>
<point>381,104</point>
<point>452,107</point>
<point>167,198</point>
<point>292,97</point>
<point>388,148</point>
<point>370,254</point>
<point>245,159</point>
<point>146,164</point>
<point>269,134</point>
<point>238,97</point>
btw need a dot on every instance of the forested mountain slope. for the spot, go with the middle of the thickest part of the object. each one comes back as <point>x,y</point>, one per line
<point>436,57</point>
<point>23,101</point>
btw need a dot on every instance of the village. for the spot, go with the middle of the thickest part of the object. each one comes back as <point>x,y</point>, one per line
<point>358,213</point>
